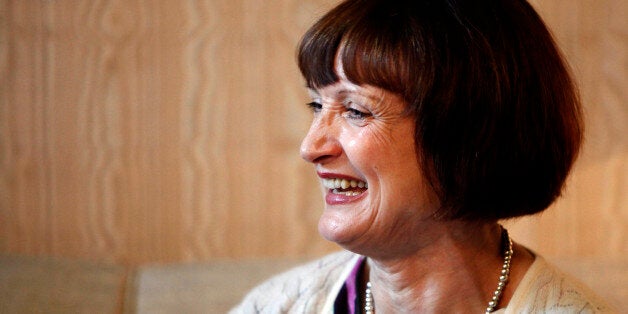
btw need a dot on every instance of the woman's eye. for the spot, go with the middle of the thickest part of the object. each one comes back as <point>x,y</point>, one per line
<point>357,114</point>
<point>315,106</point>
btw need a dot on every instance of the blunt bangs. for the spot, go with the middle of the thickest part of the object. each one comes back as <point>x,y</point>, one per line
<point>376,47</point>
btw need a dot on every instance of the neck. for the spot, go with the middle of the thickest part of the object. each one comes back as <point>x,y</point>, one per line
<point>457,271</point>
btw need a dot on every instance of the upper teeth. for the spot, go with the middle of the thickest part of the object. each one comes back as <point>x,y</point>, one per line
<point>343,184</point>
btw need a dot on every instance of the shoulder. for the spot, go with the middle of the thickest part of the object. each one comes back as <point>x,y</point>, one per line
<point>303,289</point>
<point>545,289</point>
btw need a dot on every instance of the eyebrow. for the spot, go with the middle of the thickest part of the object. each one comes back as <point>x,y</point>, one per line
<point>342,92</point>
<point>369,96</point>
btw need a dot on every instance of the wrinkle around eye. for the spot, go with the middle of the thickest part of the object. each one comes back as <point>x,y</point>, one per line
<point>356,114</point>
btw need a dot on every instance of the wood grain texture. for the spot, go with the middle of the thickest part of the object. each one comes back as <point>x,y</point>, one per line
<point>160,131</point>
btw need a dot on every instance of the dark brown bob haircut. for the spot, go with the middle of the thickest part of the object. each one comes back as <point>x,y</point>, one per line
<point>498,119</point>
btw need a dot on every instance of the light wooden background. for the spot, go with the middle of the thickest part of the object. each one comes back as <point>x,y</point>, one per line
<point>137,131</point>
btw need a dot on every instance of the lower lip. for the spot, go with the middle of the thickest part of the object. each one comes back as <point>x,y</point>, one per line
<point>339,199</point>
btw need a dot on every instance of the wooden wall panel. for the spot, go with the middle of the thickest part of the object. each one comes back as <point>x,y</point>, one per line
<point>139,131</point>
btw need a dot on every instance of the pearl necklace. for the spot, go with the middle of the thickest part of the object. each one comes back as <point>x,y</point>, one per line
<point>369,306</point>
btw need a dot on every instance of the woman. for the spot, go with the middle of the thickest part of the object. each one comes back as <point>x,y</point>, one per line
<point>432,121</point>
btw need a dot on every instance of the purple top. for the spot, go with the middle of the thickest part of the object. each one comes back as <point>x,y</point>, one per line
<point>348,300</point>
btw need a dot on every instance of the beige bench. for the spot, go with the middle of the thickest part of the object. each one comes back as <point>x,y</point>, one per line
<point>44,285</point>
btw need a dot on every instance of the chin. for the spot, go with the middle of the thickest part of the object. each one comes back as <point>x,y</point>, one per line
<point>338,230</point>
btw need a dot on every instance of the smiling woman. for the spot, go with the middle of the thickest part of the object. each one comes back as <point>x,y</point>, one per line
<point>432,120</point>
<point>363,134</point>
<point>143,132</point>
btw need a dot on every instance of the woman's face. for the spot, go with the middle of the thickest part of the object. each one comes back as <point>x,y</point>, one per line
<point>362,145</point>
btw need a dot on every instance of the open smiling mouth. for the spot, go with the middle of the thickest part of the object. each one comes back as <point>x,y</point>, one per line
<point>345,187</point>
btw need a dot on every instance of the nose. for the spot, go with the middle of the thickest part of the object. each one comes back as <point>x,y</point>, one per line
<point>321,142</point>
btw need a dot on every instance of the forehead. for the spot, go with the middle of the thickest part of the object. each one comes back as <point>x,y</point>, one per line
<point>343,86</point>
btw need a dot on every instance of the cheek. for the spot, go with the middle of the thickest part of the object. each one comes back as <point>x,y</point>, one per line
<point>389,156</point>
<point>362,150</point>
<point>381,147</point>
<point>352,144</point>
